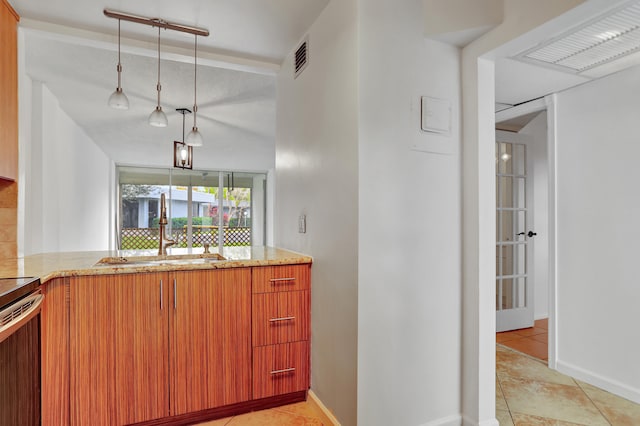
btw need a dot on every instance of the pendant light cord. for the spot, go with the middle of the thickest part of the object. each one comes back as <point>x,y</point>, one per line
<point>159,87</point>
<point>182,127</point>
<point>195,81</point>
<point>119,64</point>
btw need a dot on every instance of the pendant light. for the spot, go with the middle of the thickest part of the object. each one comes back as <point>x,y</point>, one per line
<point>182,153</point>
<point>118,99</point>
<point>158,117</point>
<point>194,138</point>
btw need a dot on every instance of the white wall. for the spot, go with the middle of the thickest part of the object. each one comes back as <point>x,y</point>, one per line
<point>409,296</point>
<point>317,175</point>
<point>598,205</point>
<point>67,181</point>
<point>537,130</point>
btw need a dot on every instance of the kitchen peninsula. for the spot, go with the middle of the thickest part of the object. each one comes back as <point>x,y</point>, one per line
<point>136,338</point>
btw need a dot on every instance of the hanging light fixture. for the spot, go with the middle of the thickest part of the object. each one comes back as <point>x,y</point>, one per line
<point>194,138</point>
<point>158,117</point>
<point>118,99</point>
<point>182,153</point>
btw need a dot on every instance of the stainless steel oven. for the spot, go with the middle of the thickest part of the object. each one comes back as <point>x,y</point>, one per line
<point>20,302</point>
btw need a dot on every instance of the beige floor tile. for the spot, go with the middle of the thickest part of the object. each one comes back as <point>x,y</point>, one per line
<point>501,404</point>
<point>219,422</point>
<point>619,411</point>
<point>273,418</point>
<point>504,418</point>
<point>551,400</point>
<point>528,420</point>
<point>513,364</point>
<point>300,409</point>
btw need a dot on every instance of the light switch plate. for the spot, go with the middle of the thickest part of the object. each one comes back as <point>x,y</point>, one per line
<point>302,224</point>
<point>436,115</point>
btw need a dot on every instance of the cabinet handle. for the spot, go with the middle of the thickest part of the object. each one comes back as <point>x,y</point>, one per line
<point>281,280</point>
<point>282,319</point>
<point>175,295</point>
<point>286,370</point>
<point>161,302</point>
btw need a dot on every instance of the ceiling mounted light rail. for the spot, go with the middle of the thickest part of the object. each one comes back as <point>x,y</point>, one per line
<point>155,22</point>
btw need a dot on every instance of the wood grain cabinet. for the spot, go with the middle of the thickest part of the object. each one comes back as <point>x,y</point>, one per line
<point>148,346</point>
<point>119,348</point>
<point>281,329</point>
<point>9,90</point>
<point>174,347</point>
<point>210,331</point>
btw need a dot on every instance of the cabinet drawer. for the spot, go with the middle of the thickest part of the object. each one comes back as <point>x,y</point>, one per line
<point>267,279</point>
<point>280,369</point>
<point>280,317</point>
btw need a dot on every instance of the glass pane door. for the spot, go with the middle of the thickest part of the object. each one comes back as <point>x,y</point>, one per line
<point>513,294</point>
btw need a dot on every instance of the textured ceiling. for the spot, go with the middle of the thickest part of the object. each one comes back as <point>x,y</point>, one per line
<point>236,114</point>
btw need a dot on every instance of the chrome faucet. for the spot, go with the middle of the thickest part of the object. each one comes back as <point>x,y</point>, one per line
<point>164,242</point>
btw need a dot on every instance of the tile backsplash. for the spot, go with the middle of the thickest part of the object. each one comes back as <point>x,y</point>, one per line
<point>8,220</point>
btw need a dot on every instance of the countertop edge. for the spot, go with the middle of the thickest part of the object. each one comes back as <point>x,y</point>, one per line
<point>115,270</point>
<point>51,266</point>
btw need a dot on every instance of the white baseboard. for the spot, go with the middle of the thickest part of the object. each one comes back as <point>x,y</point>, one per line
<point>328,418</point>
<point>540,316</point>
<point>468,422</point>
<point>601,382</point>
<point>455,420</point>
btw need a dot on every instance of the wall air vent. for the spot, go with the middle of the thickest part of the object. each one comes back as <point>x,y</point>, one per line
<point>302,57</point>
<point>602,40</point>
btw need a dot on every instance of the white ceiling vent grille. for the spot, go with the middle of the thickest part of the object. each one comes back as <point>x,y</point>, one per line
<point>302,57</point>
<point>597,42</point>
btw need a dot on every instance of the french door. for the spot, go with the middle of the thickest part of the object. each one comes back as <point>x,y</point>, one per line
<point>514,195</point>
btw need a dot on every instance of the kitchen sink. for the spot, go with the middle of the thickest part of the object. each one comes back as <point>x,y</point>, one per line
<point>160,260</point>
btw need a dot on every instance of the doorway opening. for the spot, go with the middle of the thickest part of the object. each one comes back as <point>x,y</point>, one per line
<point>522,229</point>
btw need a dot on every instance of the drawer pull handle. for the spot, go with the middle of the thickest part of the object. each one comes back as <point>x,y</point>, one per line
<point>282,319</point>
<point>286,370</point>
<point>281,280</point>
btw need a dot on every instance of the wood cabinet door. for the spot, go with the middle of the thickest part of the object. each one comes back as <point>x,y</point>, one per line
<point>210,332</point>
<point>118,349</point>
<point>54,351</point>
<point>9,90</point>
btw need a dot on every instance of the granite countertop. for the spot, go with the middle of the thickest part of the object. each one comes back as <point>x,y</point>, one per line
<point>68,264</point>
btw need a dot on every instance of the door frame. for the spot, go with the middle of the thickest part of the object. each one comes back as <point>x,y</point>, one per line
<point>547,103</point>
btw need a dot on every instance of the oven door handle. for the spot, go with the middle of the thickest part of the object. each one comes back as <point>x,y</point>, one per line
<point>15,316</point>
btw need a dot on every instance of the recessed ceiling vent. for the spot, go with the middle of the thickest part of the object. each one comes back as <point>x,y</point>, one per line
<point>594,43</point>
<point>302,57</point>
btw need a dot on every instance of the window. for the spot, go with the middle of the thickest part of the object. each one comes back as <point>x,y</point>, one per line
<point>202,207</point>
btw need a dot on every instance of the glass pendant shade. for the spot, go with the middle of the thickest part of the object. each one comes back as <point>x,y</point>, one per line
<point>118,100</point>
<point>158,118</point>
<point>194,138</point>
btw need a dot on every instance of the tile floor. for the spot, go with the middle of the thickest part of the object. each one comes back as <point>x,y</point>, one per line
<point>528,393</point>
<point>531,341</point>
<point>298,414</point>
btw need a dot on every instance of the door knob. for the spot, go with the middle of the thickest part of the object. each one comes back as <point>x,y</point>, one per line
<point>528,234</point>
